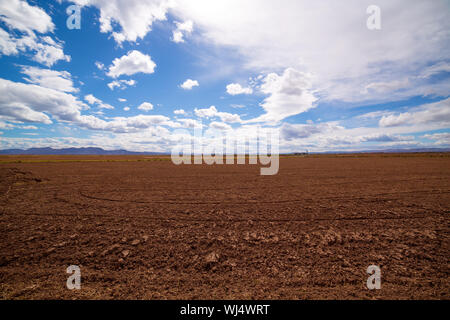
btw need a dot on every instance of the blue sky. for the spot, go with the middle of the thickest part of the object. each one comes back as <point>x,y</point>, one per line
<point>137,73</point>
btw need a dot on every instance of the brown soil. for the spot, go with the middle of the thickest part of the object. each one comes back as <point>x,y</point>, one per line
<point>144,228</point>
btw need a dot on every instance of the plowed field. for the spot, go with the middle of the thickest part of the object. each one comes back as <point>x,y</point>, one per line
<point>141,227</point>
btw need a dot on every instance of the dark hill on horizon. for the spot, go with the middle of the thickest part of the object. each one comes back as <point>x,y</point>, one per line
<point>73,151</point>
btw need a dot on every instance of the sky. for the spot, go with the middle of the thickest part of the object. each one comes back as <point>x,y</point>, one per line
<point>141,74</point>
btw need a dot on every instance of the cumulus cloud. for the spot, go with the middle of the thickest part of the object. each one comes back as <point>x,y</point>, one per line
<point>22,18</point>
<point>95,101</point>
<point>121,84</point>
<point>189,84</point>
<point>236,88</point>
<point>32,103</point>
<point>219,125</point>
<point>384,137</point>
<point>437,112</point>
<point>298,131</point>
<point>179,112</point>
<point>99,65</point>
<point>189,123</point>
<point>46,51</point>
<point>58,80</point>
<point>10,126</point>
<point>8,45</point>
<point>307,36</point>
<point>18,14</point>
<point>288,94</point>
<point>135,17</point>
<point>440,138</point>
<point>131,63</point>
<point>402,49</point>
<point>206,113</point>
<point>146,106</point>
<point>182,30</point>
<point>123,124</point>
<point>212,112</point>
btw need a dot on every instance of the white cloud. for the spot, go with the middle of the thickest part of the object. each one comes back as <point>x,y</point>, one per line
<point>46,50</point>
<point>206,113</point>
<point>440,138</point>
<point>146,106</point>
<point>189,84</point>
<point>123,124</point>
<point>298,131</point>
<point>384,137</point>
<point>121,84</point>
<point>437,112</point>
<point>289,94</point>
<point>91,99</point>
<point>236,88</point>
<point>189,123</point>
<point>49,54</point>
<point>122,99</point>
<point>179,111</point>
<point>29,127</point>
<point>99,65</point>
<point>20,15</point>
<point>131,63</point>
<point>382,87</point>
<point>58,80</point>
<point>8,45</point>
<point>219,126</point>
<point>212,112</point>
<point>114,84</point>
<point>95,101</point>
<point>10,126</point>
<point>135,17</point>
<point>6,126</point>
<point>437,68</point>
<point>33,103</point>
<point>313,40</point>
<point>319,37</point>
<point>126,109</point>
<point>332,136</point>
<point>182,30</point>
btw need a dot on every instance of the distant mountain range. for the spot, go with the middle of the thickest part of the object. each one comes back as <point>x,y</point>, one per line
<point>72,151</point>
<point>100,151</point>
<point>417,150</point>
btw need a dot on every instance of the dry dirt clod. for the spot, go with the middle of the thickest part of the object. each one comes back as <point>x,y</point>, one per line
<point>212,258</point>
<point>110,249</point>
<point>125,253</point>
<point>135,242</point>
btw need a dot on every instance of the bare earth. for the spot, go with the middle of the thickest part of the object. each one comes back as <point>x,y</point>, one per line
<point>141,227</point>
